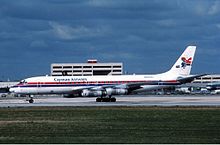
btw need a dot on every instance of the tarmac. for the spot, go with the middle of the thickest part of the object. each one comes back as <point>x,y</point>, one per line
<point>130,100</point>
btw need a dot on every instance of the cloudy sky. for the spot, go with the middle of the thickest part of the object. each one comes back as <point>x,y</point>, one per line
<point>146,35</point>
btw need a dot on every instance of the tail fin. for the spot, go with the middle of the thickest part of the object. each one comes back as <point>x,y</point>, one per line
<point>184,64</point>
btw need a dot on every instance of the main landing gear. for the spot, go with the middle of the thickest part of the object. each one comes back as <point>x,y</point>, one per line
<point>30,99</point>
<point>106,99</point>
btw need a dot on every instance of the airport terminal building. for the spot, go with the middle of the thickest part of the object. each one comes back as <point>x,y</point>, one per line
<point>208,79</point>
<point>91,68</point>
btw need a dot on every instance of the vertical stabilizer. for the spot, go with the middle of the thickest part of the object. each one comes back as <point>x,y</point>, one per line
<point>183,65</point>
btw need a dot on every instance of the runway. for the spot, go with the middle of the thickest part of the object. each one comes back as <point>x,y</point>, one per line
<point>131,100</point>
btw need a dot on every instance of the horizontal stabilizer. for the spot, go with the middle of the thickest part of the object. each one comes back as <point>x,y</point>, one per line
<point>189,79</point>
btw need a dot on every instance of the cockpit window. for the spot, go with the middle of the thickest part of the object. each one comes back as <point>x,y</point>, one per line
<point>23,82</point>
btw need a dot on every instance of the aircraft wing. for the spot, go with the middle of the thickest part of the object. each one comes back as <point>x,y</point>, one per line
<point>128,86</point>
<point>136,85</point>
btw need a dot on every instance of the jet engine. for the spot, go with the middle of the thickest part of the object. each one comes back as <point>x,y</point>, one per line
<point>111,91</point>
<point>105,92</point>
<point>88,93</point>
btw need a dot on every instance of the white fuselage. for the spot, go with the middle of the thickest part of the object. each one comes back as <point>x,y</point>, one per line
<point>69,84</point>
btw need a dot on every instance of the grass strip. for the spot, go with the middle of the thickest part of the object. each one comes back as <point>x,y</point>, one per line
<point>110,125</point>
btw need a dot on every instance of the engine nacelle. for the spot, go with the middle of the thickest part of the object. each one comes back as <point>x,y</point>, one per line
<point>88,93</point>
<point>106,92</point>
<point>111,91</point>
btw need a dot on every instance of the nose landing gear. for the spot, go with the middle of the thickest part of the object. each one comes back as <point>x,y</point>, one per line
<point>30,99</point>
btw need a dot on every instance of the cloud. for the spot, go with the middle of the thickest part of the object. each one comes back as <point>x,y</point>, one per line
<point>67,32</point>
<point>139,31</point>
<point>38,44</point>
<point>62,31</point>
<point>167,22</point>
<point>215,8</point>
<point>205,8</point>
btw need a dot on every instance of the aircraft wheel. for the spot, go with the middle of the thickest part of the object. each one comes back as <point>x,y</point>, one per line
<point>31,101</point>
<point>106,100</point>
<point>113,100</point>
<point>98,99</point>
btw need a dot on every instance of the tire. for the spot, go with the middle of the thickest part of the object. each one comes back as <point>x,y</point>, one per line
<point>113,100</point>
<point>31,101</point>
<point>98,99</point>
<point>106,100</point>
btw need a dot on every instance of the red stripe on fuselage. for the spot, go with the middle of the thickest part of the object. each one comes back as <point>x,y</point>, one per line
<point>98,82</point>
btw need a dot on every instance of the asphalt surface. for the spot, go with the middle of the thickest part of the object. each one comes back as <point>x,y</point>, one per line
<point>131,100</point>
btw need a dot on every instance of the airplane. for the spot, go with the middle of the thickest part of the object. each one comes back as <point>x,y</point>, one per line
<point>214,88</point>
<point>104,87</point>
